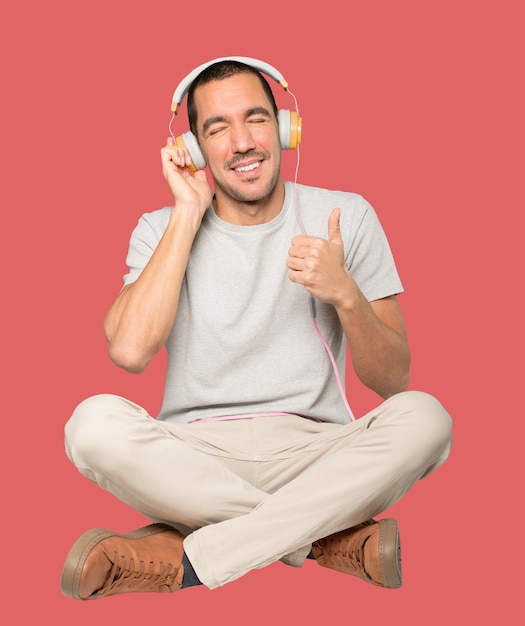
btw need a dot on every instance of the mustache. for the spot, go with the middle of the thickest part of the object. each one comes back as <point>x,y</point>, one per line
<point>252,154</point>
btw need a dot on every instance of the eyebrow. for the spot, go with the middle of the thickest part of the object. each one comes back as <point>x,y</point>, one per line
<point>220,118</point>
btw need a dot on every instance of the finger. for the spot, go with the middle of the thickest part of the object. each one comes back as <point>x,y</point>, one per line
<point>179,156</point>
<point>295,276</point>
<point>299,252</point>
<point>200,175</point>
<point>294,263</point>
<point>303,240</point>
<point>334,227</point>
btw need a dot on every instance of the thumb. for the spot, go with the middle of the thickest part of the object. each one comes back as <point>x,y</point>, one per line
<point>334,230</point>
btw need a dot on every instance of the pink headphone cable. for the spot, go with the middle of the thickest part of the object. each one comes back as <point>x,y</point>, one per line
<point>313,311</point>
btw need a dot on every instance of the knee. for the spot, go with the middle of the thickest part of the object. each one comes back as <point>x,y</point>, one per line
<point>428,422</point>
<point>429,411</point>
<point>86,429</point>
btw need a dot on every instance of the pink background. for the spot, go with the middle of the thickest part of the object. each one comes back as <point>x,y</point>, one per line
<point>416,105</point>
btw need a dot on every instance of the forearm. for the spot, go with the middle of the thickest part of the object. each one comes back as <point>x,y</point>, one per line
<point>140,320</point>
<point>375,331</point>
<point>377,343</point>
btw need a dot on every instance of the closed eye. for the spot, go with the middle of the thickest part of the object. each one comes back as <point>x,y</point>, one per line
<point>216,130</point>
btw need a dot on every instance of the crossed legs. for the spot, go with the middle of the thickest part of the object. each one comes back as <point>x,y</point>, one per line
<point>245,493</point>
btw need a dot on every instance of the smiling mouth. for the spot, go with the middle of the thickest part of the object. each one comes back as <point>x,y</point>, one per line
<point>247,162</point>
<point>248,168</point>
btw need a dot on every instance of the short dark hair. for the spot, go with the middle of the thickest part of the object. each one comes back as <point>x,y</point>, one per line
<point>220,71</point>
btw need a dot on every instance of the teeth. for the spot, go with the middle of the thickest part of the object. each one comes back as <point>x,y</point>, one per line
<point>247,168</point>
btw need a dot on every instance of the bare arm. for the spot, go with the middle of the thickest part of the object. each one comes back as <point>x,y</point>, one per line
<point>378,344</point>
<point>139,321</point>
<point>375,331</point>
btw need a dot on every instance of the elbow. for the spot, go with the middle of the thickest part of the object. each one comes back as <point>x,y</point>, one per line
<point>125,351</point>
<point>392,390</point>
<point>128,359</point>
<point>400,386</point>
<point>404,375</point>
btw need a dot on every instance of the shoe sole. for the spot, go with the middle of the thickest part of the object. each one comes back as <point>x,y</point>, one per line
<point>82,547</point>
<point>390,553</point>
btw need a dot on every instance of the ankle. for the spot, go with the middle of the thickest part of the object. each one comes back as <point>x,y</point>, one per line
<point>189,578</point>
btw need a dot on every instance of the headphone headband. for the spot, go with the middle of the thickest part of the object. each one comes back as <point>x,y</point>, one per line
<point>185,83</point>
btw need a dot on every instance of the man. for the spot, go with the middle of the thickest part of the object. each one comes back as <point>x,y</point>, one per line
<point>254,456</point>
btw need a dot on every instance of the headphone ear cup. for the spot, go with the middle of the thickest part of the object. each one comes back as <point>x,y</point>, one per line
<point>290,129</point>
<point>188,141</point>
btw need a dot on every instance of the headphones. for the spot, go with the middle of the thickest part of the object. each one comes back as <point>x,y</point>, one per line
<point>289,122</point>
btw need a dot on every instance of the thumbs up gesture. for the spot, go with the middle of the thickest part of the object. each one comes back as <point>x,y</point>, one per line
<point>319,264</point>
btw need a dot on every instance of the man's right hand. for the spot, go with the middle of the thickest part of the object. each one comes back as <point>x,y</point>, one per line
<point>188,189</point>
<point>140,319</point>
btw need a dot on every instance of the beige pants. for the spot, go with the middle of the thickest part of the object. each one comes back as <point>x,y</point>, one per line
<point>248,492</point>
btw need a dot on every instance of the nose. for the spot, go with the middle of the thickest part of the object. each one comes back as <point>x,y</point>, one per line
<point>241,138</point>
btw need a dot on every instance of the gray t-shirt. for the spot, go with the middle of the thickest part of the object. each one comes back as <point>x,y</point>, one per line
<point>243,341</point>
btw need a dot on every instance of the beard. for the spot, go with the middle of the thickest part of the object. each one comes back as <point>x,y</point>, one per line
<point>246,190</point>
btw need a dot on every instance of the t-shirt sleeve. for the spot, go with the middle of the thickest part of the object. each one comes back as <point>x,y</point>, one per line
<point>143,242</point>
<point>369,258</point>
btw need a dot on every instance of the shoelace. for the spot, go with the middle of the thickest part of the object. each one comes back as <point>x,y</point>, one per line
<point>344,554</point>
<point>138,577</point>
<point>352,554</point>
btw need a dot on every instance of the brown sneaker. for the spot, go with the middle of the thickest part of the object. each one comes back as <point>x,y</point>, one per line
<point>371,551</point>
<point>102,563</point>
